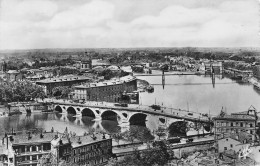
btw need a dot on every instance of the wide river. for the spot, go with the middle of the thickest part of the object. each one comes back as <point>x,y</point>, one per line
<point>191,92</point>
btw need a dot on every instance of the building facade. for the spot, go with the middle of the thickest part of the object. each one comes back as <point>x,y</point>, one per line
<point>14,75</point>
<point>110,91</point>
<point>49,84</point>
<point>212,67</point>
<point>28,149</point>
<point>235,123</point>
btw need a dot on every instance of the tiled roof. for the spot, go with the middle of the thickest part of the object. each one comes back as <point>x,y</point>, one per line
<point>35,138</point>
<point>64,79</point>
<point>236,117</point>
<point>77,141</point>
<point>110,82</point>
<point>13,72</point>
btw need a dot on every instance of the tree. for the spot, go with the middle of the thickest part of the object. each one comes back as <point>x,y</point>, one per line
<point>156,156</point>
<point>20,91</point>
<point>117,137</point>
<point>160,132</point>
<point>178,128</point>
<point>138,132</point>
<point>61,91</point>
<point>51,160</point>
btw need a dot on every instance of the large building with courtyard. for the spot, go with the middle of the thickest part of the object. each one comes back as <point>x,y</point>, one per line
<point>68,80</point>
<point>109,91</point>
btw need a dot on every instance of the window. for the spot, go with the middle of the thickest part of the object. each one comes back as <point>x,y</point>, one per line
<point>241,124</point>
<point>231,145</point>
<point>231,124</point>
<point>225,148</point>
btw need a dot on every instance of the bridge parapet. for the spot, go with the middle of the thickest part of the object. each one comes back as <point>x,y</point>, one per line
<point>126,112</point>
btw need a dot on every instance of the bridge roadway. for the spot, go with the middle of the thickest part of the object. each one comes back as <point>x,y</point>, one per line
<point>169,73</point>
<point>166,112</point>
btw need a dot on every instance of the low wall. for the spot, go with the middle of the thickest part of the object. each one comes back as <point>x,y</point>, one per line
<point>185,150</point>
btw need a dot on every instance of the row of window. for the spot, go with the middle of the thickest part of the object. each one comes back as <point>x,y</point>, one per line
<point>224,130</point>
<point>235,124</point>
<point>34,148</point>
<point>28,158</point>
<point>91,147</point>
<point>82,161</point>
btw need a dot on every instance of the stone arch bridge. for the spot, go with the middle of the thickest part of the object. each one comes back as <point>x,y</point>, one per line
<point>125,116</point>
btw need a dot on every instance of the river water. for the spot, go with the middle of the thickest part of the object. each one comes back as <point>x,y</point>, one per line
<point>191,92</point>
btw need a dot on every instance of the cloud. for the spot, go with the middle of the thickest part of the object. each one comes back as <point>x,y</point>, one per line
<point>127,23</point>
<point>88,15</point>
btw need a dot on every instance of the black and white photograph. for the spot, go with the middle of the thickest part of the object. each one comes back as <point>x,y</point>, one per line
<point>129,83</point>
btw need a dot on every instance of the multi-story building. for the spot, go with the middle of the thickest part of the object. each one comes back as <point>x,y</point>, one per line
<point>235,123</point>
<point>14,75</point>
<point>69,80</point>
<point>27,149</point>
<point>212,67</point>
<point>95,149</point>
<point>110,91</point>
<point>84,65</point>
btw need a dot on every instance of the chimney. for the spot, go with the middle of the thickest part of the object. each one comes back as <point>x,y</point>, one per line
<point>11,138</point>
<point>104,136</point>
<point>94,137</point>
<point>41,135</point>
<point>79,141</point>
<point>52,129</point>
<point>29,135</point>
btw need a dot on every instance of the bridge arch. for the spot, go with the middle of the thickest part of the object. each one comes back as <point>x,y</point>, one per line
<point>110,115</point>
<point>71,111</point>
<point>58,109</point>
<point>88,112</point>
<point>138,119</point>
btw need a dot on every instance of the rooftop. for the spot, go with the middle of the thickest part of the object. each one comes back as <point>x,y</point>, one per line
<point>13,72</point>
<point>110,82</point>
<point>77,141</point>
<point>34,138</point>
<point>66,78</point>
<point>235,117</point>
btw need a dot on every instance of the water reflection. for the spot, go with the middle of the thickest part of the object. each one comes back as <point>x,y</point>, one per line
<point>203,93</point>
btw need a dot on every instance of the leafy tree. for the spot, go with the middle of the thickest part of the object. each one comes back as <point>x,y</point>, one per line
<point>51,160</point>
<point>138,132</point>
<point>160,132</point>
<point>20,91</point>
<point>117,137</point>
<point>61,91</point>
<point>156,156</point>
<point>178,128</point>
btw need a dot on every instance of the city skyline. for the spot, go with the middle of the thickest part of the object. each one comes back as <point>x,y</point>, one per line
<point>126,24</point>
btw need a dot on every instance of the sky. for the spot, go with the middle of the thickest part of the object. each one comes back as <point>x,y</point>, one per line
<point>36,24</point>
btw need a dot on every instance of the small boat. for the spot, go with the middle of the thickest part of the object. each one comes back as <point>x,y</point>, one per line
<point>28,111</point>
<point>256,85</point>
<point>237,78</point>
<point>150,89</point>
<point>15,112</point>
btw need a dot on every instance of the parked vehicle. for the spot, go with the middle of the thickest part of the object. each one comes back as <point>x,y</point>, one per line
<point>156,107</point>
<point>121,104</point>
